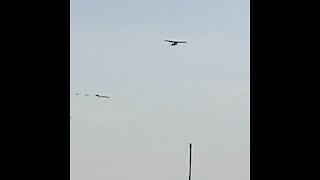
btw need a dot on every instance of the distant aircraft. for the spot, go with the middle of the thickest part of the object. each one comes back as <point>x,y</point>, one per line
<point>95,95</point>
<point>102,96</point>
<point>174,43</point>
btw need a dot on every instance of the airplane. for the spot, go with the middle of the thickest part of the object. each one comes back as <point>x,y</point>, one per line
<point>102,96</point>
<point>174,43</point>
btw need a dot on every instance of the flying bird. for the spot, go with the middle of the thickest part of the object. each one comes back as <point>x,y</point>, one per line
<point>174,43</point>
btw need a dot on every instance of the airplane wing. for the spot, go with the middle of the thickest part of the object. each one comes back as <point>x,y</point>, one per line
<point>175,41</point>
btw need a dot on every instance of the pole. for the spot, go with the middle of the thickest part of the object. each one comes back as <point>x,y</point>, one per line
<point>190,163</point>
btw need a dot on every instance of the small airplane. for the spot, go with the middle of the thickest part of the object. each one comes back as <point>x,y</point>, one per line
<point>174,43</point>
<point>102,96</point>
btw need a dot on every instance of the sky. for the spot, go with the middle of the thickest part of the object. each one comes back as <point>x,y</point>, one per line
<point>161,97</point>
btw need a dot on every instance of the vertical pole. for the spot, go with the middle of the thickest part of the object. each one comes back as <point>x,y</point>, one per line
<point>190,163</point>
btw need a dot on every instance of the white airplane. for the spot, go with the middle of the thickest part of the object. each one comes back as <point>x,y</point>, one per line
<point>174,43</point>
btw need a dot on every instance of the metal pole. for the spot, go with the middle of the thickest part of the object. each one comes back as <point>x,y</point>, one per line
<point>190,163</point>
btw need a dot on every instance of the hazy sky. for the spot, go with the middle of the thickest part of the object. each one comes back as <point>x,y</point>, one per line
<point>162,97</point>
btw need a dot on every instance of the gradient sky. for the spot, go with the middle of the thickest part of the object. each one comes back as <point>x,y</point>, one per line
<point>162,97</point>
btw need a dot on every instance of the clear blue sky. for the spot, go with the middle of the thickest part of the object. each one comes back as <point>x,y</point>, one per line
<point>162,97</point>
